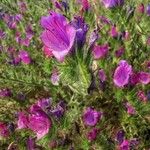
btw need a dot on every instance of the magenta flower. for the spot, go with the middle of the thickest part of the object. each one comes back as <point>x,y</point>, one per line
<point>141,8</point>
<point>134,79</point>
<point>122,74</point>
<point>141,95</point>
<point>92,134</point>
<point>40,124</point>
<point>58,36</point>
<point>100,51</point>
<point>91,117</point>
<point>119,52</point>
<point>22,120</point>
<point>24,56</point>
<point>102,75</point>
<point>125,145</point>
<point>113,31</point>
<point>85,4</point>
<point>144,77</point>
<point>130,109</point>
<point>4,132</point>
<point>81,29</point>
<point>5,93</point>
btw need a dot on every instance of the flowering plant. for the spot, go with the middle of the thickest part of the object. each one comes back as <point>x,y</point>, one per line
<point>74,75</point>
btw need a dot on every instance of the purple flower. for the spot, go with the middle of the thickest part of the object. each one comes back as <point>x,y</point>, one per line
<point>81,29</point>
<point>18,17</point>
<point>100,51</point>
<point>102,75</point>
<point>22,120</point>
<point>5,93</point>
<point>29,32</point>
<point>112,3</point>
<point>122,73</point>
<point>93,38</point>
<point>119,52</point>
<point>91,117</point>
<point>92,134</point>
<point>4,132</point>
<point>59,36</point>
<point>24,56</point>
<point>125,145</point>
<point>59,110</point>
<point>120,136</point>
<point>148,9</point>
<point>144,77</point>
<point>55,77</point>
<point>130,109</point>
<point>40,124</point>
<point>44,103</point>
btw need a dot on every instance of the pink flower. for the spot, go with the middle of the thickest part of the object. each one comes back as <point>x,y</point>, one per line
<point>130,109</point>
<point>122,74</point>
<point>58,35</point>
<point>141,95</point>
<point>113,32</point>
<point>125,145</point>
<point>99,51</point>
<point>47,51</point>
<point>40,124</point>
<point>4,132</point>
<point>144,77</point>
<point>22,120</point>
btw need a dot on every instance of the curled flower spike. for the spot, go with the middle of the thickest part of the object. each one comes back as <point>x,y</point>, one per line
<point>122,74</point>
<point>58,35</point>
<point>91,117</point>
<point>55,77</point>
